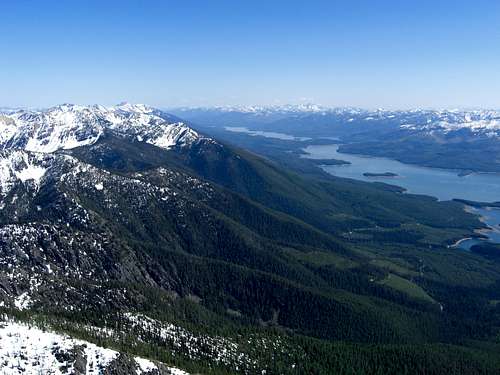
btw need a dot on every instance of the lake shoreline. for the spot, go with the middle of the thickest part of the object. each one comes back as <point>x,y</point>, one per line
<point>461,172</point>
<point>465,186</point>
<point>442,184</point>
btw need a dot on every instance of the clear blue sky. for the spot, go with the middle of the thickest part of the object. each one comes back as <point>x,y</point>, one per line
<point>376,53</point>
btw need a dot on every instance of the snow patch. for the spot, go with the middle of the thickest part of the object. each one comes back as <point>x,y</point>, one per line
<point>21,167</point>
<point>31,172</point>
<point>145,365</point>
<point>26,349</point>
<point>23,301</point>
<point>29,350</point>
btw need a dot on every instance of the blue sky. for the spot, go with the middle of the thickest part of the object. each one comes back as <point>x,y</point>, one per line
<point>393,54</point>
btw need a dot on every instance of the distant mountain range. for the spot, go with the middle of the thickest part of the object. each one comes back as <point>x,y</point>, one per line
<point>120,117</point>
<point>486,122</point>
<point>456,139</point>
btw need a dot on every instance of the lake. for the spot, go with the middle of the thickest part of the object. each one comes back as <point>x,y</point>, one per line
<point>286,137</point>
<point>443,184</point>
<point>490,217</point>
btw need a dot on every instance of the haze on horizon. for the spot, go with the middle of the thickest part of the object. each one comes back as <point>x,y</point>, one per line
<point>392,54</point>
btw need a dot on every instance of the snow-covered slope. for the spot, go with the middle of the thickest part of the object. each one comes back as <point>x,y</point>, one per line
<point>477,122</point>
<point>29,350</point>
<point>70,126</point>
<point>20,166</point>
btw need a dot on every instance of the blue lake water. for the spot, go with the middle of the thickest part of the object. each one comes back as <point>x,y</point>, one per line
<point>490,217</point>
<point>441,183</point>
<point>286,137</point>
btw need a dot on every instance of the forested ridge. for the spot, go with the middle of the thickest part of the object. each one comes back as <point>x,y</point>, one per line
<point>296,272</point>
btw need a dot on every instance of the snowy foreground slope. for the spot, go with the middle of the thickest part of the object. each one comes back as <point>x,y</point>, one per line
<point>30,350</point>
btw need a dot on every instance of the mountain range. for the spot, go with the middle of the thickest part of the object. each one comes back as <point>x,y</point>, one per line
<point>468,140</point>
<point>485,122</point>
<point>126,233</point>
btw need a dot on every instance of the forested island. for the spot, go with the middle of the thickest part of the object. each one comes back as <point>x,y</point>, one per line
<point>384,174</point>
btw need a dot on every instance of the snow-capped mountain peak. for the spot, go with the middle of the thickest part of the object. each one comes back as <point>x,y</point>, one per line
<point>68,126</point>
<point>137,108</point>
